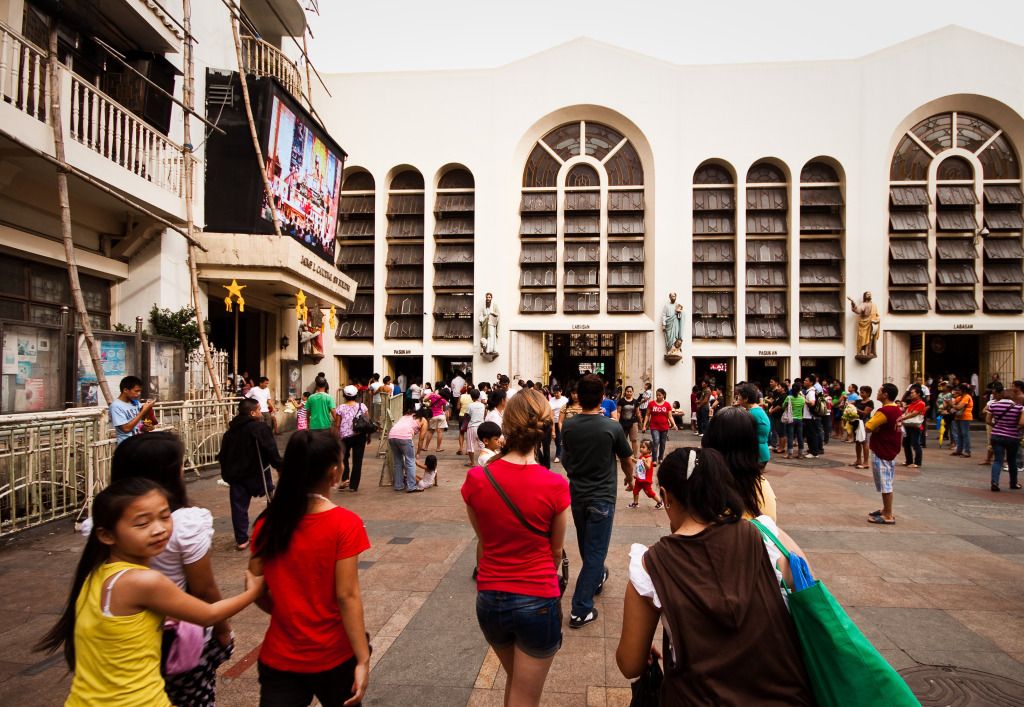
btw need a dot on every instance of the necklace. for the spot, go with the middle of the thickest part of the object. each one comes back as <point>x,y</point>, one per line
<point>319,497</point>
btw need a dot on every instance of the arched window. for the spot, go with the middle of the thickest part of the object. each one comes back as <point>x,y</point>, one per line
<point>714,252</point>
<point>355,252</point>
<point>404,284</point>
<point>605,178</point>
<point>453,255</point>
<point>955,185</point>
<point>822,231</point>
<point>767,251</point>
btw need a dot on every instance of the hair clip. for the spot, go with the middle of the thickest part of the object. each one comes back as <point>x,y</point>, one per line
<point>691,463</point>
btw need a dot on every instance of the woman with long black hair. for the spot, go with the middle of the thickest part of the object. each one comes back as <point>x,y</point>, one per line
<point>733,433</point>
<point>307,549</point>
<point>714,585</point>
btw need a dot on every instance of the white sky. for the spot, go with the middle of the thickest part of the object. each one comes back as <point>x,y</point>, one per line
<point>405,35</point>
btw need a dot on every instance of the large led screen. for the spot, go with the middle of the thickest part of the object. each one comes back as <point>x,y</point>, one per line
<point>305,178</point>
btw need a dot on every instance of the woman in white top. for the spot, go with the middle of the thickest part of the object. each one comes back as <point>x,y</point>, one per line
<point>495,407</point>
<point>160,456</point>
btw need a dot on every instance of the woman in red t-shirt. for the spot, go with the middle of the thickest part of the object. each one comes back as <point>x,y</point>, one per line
<point>518,603</point>
<point>308,549</point>
<point>659,421</point>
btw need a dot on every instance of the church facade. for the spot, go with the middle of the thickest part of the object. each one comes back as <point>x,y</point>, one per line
<point>581,187</point>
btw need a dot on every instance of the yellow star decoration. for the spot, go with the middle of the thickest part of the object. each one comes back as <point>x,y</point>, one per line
<point>234,291</point>
<point>301,310</point>
<point>334,311</point>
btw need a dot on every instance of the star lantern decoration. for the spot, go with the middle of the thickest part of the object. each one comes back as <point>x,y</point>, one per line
<point>301,310</point>
<point>333,320</point>
<point>234,296</point>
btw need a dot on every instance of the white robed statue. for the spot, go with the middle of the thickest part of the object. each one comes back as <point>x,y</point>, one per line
<point>672,323</point>
<point>489,317</point>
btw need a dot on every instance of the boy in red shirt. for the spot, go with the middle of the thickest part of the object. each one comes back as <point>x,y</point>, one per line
<point>886,440</point>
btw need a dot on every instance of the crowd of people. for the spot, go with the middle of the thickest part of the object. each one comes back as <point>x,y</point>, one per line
<point>713,580</point>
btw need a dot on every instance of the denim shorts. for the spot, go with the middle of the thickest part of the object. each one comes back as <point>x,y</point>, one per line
<point>532,624</point>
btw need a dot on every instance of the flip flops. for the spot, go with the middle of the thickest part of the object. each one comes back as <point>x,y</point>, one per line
<point>879,520</point>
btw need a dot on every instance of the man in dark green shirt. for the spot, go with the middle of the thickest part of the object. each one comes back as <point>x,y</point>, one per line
<point>592,447</point>
<point>320,406</point>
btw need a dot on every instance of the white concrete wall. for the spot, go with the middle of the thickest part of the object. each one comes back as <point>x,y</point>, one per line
<point>850,111</point>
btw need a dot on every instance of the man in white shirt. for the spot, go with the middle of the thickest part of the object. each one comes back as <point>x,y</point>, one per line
<point>402,380</point>
<point>261,394</point>
<point>558,403</point>
<point>812,429</point>
<point>375,386</point>
<point>415,393</point>
<point>458,383</point>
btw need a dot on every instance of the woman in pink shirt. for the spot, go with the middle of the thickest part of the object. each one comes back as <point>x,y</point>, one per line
<point>403,448</point>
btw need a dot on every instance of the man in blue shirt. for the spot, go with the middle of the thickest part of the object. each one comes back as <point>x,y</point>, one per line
<point>609,408</point>
<point>126,412</point>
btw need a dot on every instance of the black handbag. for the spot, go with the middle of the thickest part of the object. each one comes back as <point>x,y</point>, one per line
<point>647,689</point>
<point>563,575</point>
<point>363,425</point>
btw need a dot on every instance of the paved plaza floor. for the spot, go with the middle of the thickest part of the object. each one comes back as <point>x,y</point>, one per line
<point>941,587</point>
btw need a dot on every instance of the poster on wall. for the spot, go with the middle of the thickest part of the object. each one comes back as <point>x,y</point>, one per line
<point>114,362</point>
<point>305,179</point>
<point>29,370</point>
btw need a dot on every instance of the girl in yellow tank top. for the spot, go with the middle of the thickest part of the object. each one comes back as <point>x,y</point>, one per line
<point>110,628</point>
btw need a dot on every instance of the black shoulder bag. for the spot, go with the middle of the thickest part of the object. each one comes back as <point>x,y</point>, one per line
<point>563,577</point>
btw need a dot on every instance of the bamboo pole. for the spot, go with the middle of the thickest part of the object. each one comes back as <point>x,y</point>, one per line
<point>188,94</point>
<point>309,82</point>
<point>53,66</point>
<point>252,123</point>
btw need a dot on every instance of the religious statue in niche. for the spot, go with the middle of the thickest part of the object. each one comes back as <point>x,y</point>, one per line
<point>672,325</point>
<point>311,329</point>
<point>868,328</point>
<point>489,317</point>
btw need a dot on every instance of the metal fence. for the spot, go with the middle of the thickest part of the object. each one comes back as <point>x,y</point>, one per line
<point>197,376</point>
<point>53,464</point>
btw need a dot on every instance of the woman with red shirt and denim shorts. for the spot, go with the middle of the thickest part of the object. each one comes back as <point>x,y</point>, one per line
<point>518,602</point>
<point>307,549</point>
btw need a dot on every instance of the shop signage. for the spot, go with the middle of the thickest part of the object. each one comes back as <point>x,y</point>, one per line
<point>963,326</point>
<point>810,362</point>
<point>324,272</point>
<point>768,352</point>
<point>770,363</point>
<point>579,327</point>
<point>402,352</point>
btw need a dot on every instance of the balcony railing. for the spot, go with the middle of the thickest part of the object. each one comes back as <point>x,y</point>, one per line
<point>263,59</point>
<point>23,74</point>
<point>106,127</point>
<point>89,116</point>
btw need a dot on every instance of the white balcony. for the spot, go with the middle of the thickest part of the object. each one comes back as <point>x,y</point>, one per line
<point>264,59</point>
<point>101,138</point>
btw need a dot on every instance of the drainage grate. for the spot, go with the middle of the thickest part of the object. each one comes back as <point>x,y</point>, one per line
<point>399,541</point>
<point>941,686</point>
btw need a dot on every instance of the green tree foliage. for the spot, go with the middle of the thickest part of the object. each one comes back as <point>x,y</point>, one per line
<point>180,325</point>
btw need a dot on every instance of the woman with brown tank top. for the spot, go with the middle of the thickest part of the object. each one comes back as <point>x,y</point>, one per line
<point>728,637</point>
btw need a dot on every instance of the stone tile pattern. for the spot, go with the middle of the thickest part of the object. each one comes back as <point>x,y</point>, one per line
<point>941,587</point>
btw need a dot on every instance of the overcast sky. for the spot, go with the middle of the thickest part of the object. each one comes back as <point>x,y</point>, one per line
<point>404,35</point>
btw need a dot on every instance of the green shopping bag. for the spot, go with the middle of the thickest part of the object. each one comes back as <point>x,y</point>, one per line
<point>843,667</point>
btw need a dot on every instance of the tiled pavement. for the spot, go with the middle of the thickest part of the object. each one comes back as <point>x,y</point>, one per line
<point>943,586</point>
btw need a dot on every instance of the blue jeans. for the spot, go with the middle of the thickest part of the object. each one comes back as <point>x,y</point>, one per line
<point>795,431</point>
<point>963,436</point>
<point>593,521</point>
<point>558,441</point>
<point>403,456</point>
<point>658,440</point>
<point>1004,449</point>
<point>532,624</point>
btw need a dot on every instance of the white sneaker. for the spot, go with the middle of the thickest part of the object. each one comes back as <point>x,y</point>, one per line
<point>810,456</point>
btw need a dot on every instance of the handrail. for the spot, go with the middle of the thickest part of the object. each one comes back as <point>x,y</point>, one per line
<point>23,81</point>
<point>264,59</point>
<point>111,130</point>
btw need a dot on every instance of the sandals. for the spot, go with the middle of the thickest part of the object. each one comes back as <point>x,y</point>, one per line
<point>860,466</point>
<point>242,547</point>
<point>879,520</point>
<point>1015,486</point>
